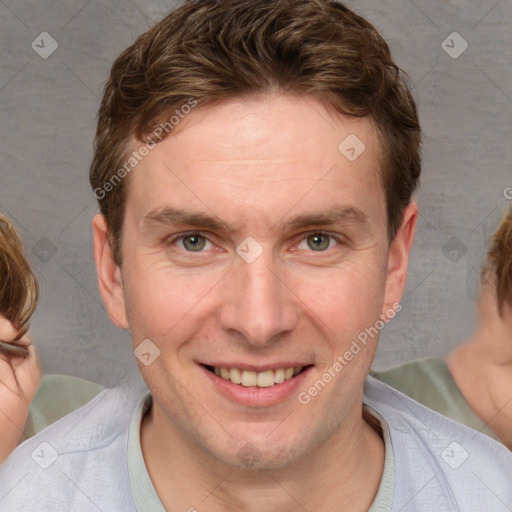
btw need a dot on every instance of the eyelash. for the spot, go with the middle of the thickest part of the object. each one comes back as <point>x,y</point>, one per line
<point>173,240</point>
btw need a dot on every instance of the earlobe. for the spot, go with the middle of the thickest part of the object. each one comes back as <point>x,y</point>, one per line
<point>110,279</point>
<point>398,257</point>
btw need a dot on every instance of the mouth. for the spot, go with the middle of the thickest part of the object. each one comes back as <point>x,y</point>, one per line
<point>257,379</point>
<point>257,386</point>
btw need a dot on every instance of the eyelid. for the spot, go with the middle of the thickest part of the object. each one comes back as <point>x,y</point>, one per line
<point>319,232</point>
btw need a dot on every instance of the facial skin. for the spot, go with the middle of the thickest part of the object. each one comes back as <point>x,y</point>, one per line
<point>254,165</point>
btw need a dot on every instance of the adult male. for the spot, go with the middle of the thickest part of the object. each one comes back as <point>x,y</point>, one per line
<point>254,165</point>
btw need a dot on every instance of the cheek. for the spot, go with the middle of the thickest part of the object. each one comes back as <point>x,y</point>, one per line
<point>159,299</point>
<point>346,299</point>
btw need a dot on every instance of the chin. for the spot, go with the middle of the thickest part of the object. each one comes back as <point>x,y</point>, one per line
<point>261,453</point>
<point>249,457</point>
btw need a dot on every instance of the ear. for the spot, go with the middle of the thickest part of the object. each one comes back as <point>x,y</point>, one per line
<point>110,281</point>
<point>398,257</point>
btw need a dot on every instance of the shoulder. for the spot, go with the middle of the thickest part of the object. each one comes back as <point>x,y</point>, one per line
<point>413,374</point>
<point>436,456</point>
<point>429,382</point>
<point>74,459</point>
<point>57,396</point>
<point>66,384</point>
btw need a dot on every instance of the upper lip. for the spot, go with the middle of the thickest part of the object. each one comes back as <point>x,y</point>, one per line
<point>256,368</point>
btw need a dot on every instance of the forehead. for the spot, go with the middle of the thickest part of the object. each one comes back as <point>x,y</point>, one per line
<point>258,126</point>
<point>264,152</point>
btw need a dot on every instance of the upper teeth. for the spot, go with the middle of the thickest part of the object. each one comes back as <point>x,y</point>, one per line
<point>261,379</point>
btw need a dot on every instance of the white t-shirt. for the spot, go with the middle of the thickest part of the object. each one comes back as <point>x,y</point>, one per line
<point>91,460</point>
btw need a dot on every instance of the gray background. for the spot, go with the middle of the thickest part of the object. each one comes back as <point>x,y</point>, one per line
<point>47,118</point>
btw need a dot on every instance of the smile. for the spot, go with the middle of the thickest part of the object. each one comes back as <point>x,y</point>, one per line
<point>263,379</point>
<point>257,385</point>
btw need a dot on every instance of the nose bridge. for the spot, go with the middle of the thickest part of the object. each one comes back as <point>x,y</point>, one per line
<point>258,305</point>
<point>261,286</point>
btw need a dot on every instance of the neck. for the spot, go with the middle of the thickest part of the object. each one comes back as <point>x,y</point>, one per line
<point>482,369</point>
<point>346,469</point>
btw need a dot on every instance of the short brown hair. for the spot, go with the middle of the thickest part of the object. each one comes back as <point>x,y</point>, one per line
<point>19,290</point>
<point>498,263</point>
<point>213,50</point>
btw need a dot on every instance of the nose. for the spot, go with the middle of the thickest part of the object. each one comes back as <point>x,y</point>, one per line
<point>257,304</point>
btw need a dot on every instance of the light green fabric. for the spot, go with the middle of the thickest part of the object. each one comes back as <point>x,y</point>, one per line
<point>383,501</point>
<point>143,492</point>
<point>146,499</point>
<point>429,382</point>
<point>57,396</point>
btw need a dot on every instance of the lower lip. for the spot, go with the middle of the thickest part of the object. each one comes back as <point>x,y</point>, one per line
<point>254,396</point>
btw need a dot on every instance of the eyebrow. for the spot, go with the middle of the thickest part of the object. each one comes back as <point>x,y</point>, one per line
<point>336,215</point>
<point>175,216</point>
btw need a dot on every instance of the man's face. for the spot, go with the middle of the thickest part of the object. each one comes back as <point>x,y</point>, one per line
<point>252,243</point>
